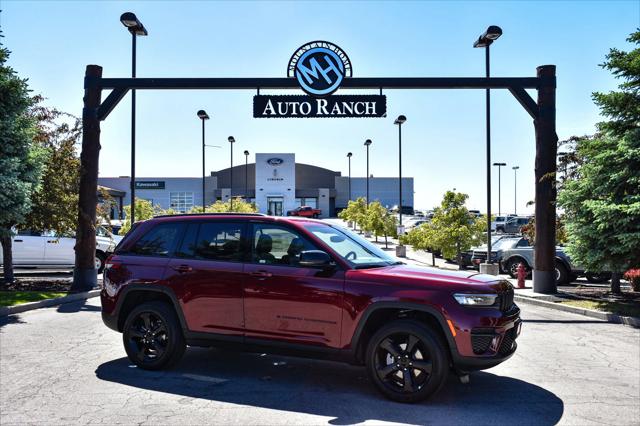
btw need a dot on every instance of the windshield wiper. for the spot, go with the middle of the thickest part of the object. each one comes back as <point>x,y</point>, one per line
<point>370,265</point>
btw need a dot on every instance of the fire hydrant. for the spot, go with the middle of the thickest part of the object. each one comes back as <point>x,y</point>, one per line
<point>522,274</point>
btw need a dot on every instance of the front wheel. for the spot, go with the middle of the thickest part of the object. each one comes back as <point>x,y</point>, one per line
<point>99,262</point>
<point>562,275</point>
<point>152,336</point>
<point>407,361</point>
<point>512,267</point>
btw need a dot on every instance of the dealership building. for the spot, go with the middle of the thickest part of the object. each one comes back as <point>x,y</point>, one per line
<point>275,182</point>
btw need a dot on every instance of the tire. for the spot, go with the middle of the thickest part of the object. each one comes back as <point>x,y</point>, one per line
<point>100,260</point>
<point>562,275</point>
<point>511,267</point>
<point>393,353</point>
<point>167,342</point>
<point>598,277</point>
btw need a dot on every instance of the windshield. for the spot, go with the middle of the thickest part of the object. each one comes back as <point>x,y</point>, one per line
<point>505,243</point>
<point>357,251</point>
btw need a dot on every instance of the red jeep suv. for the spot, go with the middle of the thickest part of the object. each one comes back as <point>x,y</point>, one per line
<point>302,287</point>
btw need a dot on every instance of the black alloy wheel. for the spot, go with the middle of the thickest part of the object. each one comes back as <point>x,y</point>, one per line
<point>407,361</point>
<point>152,336</point>
<point>598,277</point>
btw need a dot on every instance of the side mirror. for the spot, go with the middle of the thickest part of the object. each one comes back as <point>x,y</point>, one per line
<point>315,259</point>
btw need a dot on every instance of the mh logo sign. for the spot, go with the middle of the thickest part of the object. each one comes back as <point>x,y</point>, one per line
<point>319,67</point>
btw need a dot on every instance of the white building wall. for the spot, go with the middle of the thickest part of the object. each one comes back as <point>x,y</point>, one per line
<point>275,177</point>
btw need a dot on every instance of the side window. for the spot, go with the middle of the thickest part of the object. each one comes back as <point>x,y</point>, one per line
<point>187,248</point>
<point>159,241</point>
<point>276,245</point>
<point>523,243</point>
<point>221,241</point>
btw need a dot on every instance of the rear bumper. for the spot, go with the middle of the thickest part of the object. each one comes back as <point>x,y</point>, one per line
<point>110,321</point>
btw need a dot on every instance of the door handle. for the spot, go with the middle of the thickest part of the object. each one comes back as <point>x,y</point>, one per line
<point>261,274</point>
<point>52,241</point>
<point>182,268</point>
<point>17,241</point>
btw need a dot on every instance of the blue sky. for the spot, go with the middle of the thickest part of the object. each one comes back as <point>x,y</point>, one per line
<point>443,139</point>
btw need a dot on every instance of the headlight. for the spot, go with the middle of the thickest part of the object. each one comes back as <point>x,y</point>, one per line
<point>475,299</point>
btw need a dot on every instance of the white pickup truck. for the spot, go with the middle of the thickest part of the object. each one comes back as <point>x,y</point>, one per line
<point>45,250</point>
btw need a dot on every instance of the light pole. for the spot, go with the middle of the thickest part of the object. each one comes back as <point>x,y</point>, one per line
<point>399,121</point>
<point>135,27</point>
<point>500,166</point>
<point>367,143</point>
<point>202,114</point>
<point>489,36</point>
<point>349,157</point>
<point>515,189</point>
<point>246,175</point>
<point>231,140</point>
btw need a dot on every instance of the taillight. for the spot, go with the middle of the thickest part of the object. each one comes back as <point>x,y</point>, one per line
<point>111,263</point>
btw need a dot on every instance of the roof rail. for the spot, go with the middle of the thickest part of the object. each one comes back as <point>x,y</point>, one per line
<point>211,214</point>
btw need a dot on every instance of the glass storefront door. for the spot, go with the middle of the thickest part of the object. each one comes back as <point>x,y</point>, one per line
<point>274,206</point>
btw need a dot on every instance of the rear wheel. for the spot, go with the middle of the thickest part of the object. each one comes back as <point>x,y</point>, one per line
<point>407,361</point>
<point>152,336</point>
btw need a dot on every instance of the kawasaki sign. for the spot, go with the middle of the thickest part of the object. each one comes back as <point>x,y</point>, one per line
<point>319,67</point>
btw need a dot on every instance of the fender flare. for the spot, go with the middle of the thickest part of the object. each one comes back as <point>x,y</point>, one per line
<point>376,306</point>
<point>122,297</point>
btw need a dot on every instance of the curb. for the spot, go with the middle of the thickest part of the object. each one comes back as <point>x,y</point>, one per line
<point>605,316</point>
<point>10,310</point>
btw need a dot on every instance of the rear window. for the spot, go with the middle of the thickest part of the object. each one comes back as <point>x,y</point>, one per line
<point>221,241</point>
<point>159,241</point>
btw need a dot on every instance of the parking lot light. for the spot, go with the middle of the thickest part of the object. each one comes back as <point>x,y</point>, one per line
<point>135,27</point>
<point>485,40</point>
<point>203,116</point>
<point>349,157</point>
<point>231,140</point>
<point>399,121</point>
<point>367,143</point>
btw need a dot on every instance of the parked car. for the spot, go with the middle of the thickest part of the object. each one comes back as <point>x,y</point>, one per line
<point>45,249</point>
<point>103,231</point>
<point>514,224</point>
<point>305,211</point>
<point>499,243</point>
<point>566,271</point>
<point>415,223</point>
<point>302,287</point>
<point>498,224</point>
<point>406,210</point>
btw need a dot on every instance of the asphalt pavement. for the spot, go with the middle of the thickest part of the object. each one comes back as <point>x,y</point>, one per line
<point>63,366</point>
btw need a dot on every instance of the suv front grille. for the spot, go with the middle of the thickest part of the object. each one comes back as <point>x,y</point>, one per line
<point>508,342</point>
<point>481,342</point>
<point>506,300</point>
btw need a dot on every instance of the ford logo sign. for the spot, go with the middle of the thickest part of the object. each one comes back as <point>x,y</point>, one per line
<point>275,161</point>
<point>319,67</point>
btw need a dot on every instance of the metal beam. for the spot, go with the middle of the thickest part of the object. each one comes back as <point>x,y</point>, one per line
<point>376,83</point>
<point>526,101</point>
<point>111,102</point>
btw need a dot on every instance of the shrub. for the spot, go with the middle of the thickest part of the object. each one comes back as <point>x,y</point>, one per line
<point>633,276</point>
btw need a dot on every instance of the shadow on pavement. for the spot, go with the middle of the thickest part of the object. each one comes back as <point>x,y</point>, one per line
<point>77,306</point>
<point>10,319</point>
<point>335,390</point>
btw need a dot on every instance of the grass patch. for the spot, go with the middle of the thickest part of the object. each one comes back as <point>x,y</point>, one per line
<point>628,309</point>
<point>11,298</point>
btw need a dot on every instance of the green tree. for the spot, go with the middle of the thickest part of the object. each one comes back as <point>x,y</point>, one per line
<point>452,229</point>
<point>20,156</point>
<point>602,205</point>
<point>355,212</point>
<point>390,227</point>
<point>144,210</point>
<point>239,206</point>
<point>55,201</point>
<point>374,219</point>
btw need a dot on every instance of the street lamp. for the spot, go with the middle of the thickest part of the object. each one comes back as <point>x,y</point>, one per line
<point>231,140</point>
<point>135,27</point>
<point>399,121</point>
<point>515,189</point>
<point>489,36</point>
<point>246,175</point>
<point>500,166</point>
<point>367,143</point>
<point>203,116</point>
<point>349,157</point>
